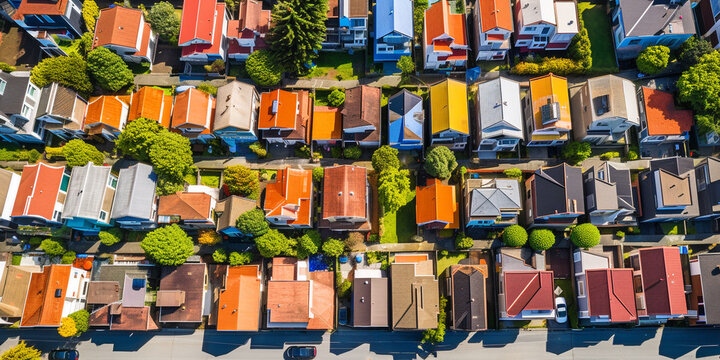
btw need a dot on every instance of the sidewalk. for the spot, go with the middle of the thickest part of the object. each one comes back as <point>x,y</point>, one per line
<point>166,80</point>
<point>391,80</point>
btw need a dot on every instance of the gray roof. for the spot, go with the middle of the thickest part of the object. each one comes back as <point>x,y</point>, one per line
<point>235,106</point>
<point>86,191</point>
<point>708,172</point>
<point>11,101</point>
<point>132,296</point>
<point>370,302</point>
<point>610,186</point>
<point>521,259</point>
<point>556,187</point>
<point>135,195</point>
<point>656,17</point>
<point>494,196</point>
<point>679,172</point>
<point>393,15</point>
<point>499,109</point>
<point>621,94</point>
<point>710,277</point>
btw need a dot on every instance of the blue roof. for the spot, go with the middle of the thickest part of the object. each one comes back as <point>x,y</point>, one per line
<point>406,118</point>
<point>393,16</point>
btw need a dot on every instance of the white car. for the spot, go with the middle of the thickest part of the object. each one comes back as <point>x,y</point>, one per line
<point>560,310</point>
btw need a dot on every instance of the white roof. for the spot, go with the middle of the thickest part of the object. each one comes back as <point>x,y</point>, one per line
<point>537,10</point>
<point>499,109</point>
<point>567,20</point>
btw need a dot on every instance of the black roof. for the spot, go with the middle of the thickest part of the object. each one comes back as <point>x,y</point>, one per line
<point>468,297</point>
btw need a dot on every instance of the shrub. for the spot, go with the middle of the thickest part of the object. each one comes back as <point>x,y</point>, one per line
<point>81,318</point>
<point>343,290</point>
<point>440,162</point>
<point>243,258</point>
<point>585,236</point>
<point>208,237</point>
<point>79,153</point>
<point>303,152</point>
<point>579,48</point>
<point>620,234</point>
<point>609,155</point>
<point>333,248</point>
<point>557,66</point>
<point>385,157</point>
<point>463,242</point>
<point>90,13</point>
<point>68,257</point>
<point>207,88</point>
<point>541,239</point>
<point>406,65</point>
<point>514,236</point>
<point>168,245</point>
<point>21,351</point>
<point>308,244</point>
<point>53,153</point>
<point>631,155</point>
<point>35,241</point>
<point>52,247</point>
<point>219,256</point>
<point>242,181</point>
<point>575,152</point>
<point>33,156</point>
<point>437,335</point>
<point>110,237</point>
<point>108,69</point>
<point>336,98</point>
<point>318,173</point>
<point>252,223</point>
<point>6,68</point>
<point>258,150</point>
<point>514,173</point>
<point>263,69</point>
<point>653,59</point>
<point>217,67</point>
<point>355,241</point>
<point>70,71</point>
<point>352,152</point>
<point>67,327</point>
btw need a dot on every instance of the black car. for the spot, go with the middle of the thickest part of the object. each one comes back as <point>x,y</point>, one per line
<point>64,354</point>
<point>301,352</point>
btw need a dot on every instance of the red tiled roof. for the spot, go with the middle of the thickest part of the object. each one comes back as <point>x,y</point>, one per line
<point>119,26</point>
<point>151,103</point>
<point>288,301</point>
<point>189,206</point>
<point>38,191</point>
<point>252,17</point>
<point>194,108</point>
<point>42,307</point>
<point>528,290</point>
<point>198,18</point>
<point>283,268</point>
<point>439,21</point>
<point>133,319</point>
<point>662,278</point>
<point>610,293</point>
<point>323,300</point>
<point>40,7</point>
<point>108,110</point>
<point>214,38</point>
<point>437,202</point>
<point>290,196</point>
<point>345,191</point>
<point>495,14</point>
<point>663,118</point>
<point>287,103</point>
<point>146,32</point>
<point>239,301</point>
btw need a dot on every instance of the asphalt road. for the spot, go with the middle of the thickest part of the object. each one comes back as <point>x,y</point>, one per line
<point>635,343</point>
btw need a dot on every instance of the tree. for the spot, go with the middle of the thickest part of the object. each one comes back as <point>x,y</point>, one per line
<point>385,157</point>
<point>242,181</point>
<point>5,67</point>
<point>219,256</point>
<point>52,247</point>
<point>168,245</point>
<point>208,237</point>
<point>171,157</point>
<point>68,257</point>
<point>137,138</point>
<point>579,48</point>
<point>108,69</point>
<point>463,242</point>
<point>166,187</point>
<point>393,188</point>
<point>308,244</point>
<point>67,327</point>
<point>440,162</point>
<point>575,152</point>
<point>336,98</point>
<point>263,69</point>
<point>352,152</point>
<point>272,243</point>
<point>692,50</point>
<point>514,173</point>
<point>164,21</point>
<point>217,67</point>
<point>541,239</point>
<point>318,173</point>
<point>69,71</point>
<point>79,153</point>
<point>84,45</point>
<point>585,236</point>
<point>653,59</point>
<point>437,335</point>
<point>406,65</point>
<point>333,248</point>
<point>110,237</point>
<point>297,32</point>
<point>355,241</point>
<point>21,351</point>
<point>90,13</point>
<point>81,318</point>
<point>419,7</point>
<point>699,87</point>
<point>237,258</point>
<point>252,223</point>
<point>514,236</point>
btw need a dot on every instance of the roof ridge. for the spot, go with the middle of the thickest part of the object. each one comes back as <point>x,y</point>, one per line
<point>611,284</point>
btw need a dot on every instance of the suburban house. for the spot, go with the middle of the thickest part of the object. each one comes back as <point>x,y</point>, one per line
<point>54,293</point>
<point>346,24</point>
<point>227,212</point>
<point>14,289</point>
<point>499,117</point>
<point>135,205</point>
<point>705,280</point>
<point>637,25</point>
<point>436,206</point>
<point>370,299</point>
<point>449,114</point>
<point>525,288</point>
<point>41,195</point>
<point>361,116</point>
<point>193,210</point>
<point>50,21</point>
<point>327,127</point>
<point>9,186</point>
<point>19,101</point>
<point>707,174</point>
<point>493,27</point>
<point>664,129</point>
<point>407,118</point>
<point>610,195</point>
<point>298,298</point>
<point>289,200</point>
<point>446,45</point>
<point>707,14</point>
<point>414,292</point>
<point>247,33</point>
<point>491,203</point>
<point>659,284</point>
<point>554,196</point>
<point>236,114</point>
<point>106,116</point>
<point>604,289</point>
<point>120,305</point>
<point>90,198</point>
<point>181,294</point>
<point>547,112</point>
<point>203,32</point>
<point>545,24</point>
<point>393,21</point>
<point>468,297</point>
<point>238,307</point>
<point>125,32</point>
<point>61,112</point>
<point>193,114</point>
<point>605,109</point>
<point>151,103</point>
<point>346,199</point>
<point>285,117</point>
<point>668,191</point>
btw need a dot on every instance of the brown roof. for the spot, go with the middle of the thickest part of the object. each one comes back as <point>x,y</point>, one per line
<point>119,26</point>
<point>283,268</point>
<point>103,292</point>
<point>288,301</point>
<point>362,108</point>
<point>323,300</point>
<point>189,278</point>
<point>415,303</point>
<point>189,206</point>
<point>171,298</point>
<point>133,319</point>
<point>345,192</point>
<point>230,209</point>
<point>358,8</point>
<point>333,9</point>
<point>40,7</point>
<point>17,280</point>
<point>251,16</point>
<point>100,317</point>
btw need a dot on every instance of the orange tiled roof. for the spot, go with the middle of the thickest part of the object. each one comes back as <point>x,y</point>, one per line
<point>288,301</point>
<point>108,110</point>
<point>40,7</point>
<point>151,103</point>
<point>663,118</point>
<point>119,26</point>
<point>290,196</point>
<point>284,117</point>
<point>323,300</point>
<point>439,21</point>
<point>215,37</point>
<point>189,206</point>
<point>42,307</point>
<point>38,190</point>
<point>194,108</point>
<point>495,14</point>
<point>239,301</point>
<point>437,202</point>
<point>327,123</point>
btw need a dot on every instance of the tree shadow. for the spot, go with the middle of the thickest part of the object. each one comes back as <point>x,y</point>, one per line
<point>678,342</point>
<point>128,341</point>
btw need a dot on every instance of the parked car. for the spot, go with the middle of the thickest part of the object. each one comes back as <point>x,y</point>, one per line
<point>64,354</point>
<point>560,310</point>
<point>301,352</point>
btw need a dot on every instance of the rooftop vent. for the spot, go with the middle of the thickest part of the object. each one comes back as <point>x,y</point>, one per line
<point>58,293</point>
<point>274,106</point>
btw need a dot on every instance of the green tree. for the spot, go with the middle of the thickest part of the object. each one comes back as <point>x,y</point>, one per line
<point>653,59</point>
<point>579,48</point>
<point>168,245</point>
<point>68,257</point>
<point>79,153</point>
<point>263,69</point>
<point>84,45</point>
<point>90,13</point>
<point>69,71</point>
<point>406,65</point>
<point>21,351</point>
<point>541,239</point>
<point>393,188</point>
<point>463,242</point>
<point>272,243</point>
<point>207,88</point>
<point>514,236</point>
<point>81,318</point>
<point>108,69</point>
<point>166,187</point>
<point>217,67</point>
<point>252,223</point>
<point>318,173</point>
<point>52,247</point>
<point>385,157</point>
<point>440,162</point>
<point>419,7</point>
<point>333,248</point>
<point>699,87</point>
<point>242,258</point>
<point>5,67</point>
<point>110,237</point>
<point>514,173</point>
<point>585,236</point>
<point>220,256</point>
<point>242,181</point>
<point>297,32</point>
<point>308,244</point>
<point>137,138</point>
<point>352,152</point>
<point>575,152</point>
<point>336,98</point>
<point>171,157</point>
<point>164,21</point>
<point>692,50</point>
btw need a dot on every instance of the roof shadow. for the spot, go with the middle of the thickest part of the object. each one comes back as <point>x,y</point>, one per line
<point>495,339</point>
<point>402,345</point>
<point>634,336</point>
<point>701,339</point>
<point>218,343</point>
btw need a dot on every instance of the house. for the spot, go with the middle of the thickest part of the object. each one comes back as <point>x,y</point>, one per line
<point>181,294</point>
<point>659,284</point>
<point>637,25</point>
<point>106,116</point>
<point>664,129</point>
<point>436,206</point>
<point>346,24</point>
<point>327,127</point>
<point>525,288</point>
<point>90,198</point>
<point>605,109</point>
<point>706,15</point>
<point>604,290</point>
<point>227,212</point>
<point>445,46</point>
<point>14,288</point>
<point>135,205</point>
<point>545,24</point>
<point>707,174</point>
<point>203,32</point>
<point>193,114</point>
<point>19,101</point>
<point>466,289</point>
<point>705,280</point>
<point>491,203</point>
<point>192,210</point>
<point>554,196</point>
<point>247,33</point>
<point>236,114</point>
<point>50,22</point>
<point>298,298</point>
<point>414,292</point>
<point>54,293</point>
<point>493,27</point>
<point>393,31</point>
<point>668,191</point>
<point>238,308</point>
<point>499,117</point>
<point>151,103</point>
<point>61,113</point>
<point>361,116</point>
<point>121,308</point>
<point>370,299</point>
<point>547,112</point>
<point>126,32</point>
<point>610,195</point>
<point>9,186</point>
<point>346,199</point>
<point>285,117</point>
<point>449,124</point>
<point>289,200</point>
<point>407,119</point>
<point>41,195</point>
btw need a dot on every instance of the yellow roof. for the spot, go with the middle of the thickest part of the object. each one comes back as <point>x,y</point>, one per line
<point>559,136</point>
<point>448,107</point>
<point>549,89</point>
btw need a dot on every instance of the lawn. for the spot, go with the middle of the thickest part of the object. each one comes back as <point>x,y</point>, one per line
<point>338,66</point>
<point>567,293</point>
<point>166,90</point>
<point>452,258</point>
<point>400,226</point>
<point>598,26</point>
<point>210,178</point>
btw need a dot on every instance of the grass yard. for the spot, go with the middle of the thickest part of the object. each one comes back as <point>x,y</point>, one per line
<point>338,66</point>
<point>598,26</point>
<point>166,90</point>
<point>210,178</point>
<point>567,293</point>
<point>400,226</point>
<point>453,257</point>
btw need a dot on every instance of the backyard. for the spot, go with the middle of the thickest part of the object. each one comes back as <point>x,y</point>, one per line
<point>452,258</point>
<point>338,66</point>
<point>400,226</point>
<point>598,26</point>
<point>567,293</point>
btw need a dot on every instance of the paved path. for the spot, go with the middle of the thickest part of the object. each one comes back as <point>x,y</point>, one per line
<point>166,80</point>
<point>391,80</point>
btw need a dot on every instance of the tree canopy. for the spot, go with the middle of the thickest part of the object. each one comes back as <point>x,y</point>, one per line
<point>110,237</point>
<point>579,48</point>
<point>393,188</point>
<point>52,247</point>
<point>541,239</point>
<point>67,327</point>
<point>440,162</point>
<point>108,69</point>
<point>585,236</point>
<point>297,32</point>
<point>692,50</point>
<point>263,69</point>
<point>385,157</point>
<point>336,98</point>
<point>252,223</point>
<point>137,137</point>
<point>90,13</point>
<point>171,157</point>
<point>272,243</point>
<point>82,319</point>
<point>514,236</point>
<point>653,59</point>
<point>242,258</point>
<point>79,153</point>
<point>308,244</point>
<point>333,248</point>
<point>699,87</point>
<point>406,65</point>
<point>21,351</point>
<point>242,181</point>
<point>70,71</point>
<point>168,245</point>
<point>575,152</point>
<point>164,21</point>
